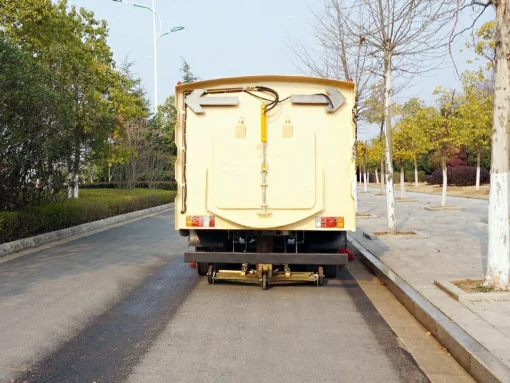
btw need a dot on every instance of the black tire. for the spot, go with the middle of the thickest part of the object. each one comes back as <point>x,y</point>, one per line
<point>210,270</point>
<point>330,271</point>
<point>202,268</point>
<point>264,281</point>
<point>320,282</point>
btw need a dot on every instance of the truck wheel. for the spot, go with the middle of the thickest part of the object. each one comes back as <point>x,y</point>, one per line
<point>264,281</point>
<point>210,270</point>
<point>202,268</point>
<point>330,271</point>
<point>320,281</point>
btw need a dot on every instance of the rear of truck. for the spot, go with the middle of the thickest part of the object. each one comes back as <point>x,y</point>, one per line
<point>266,177</point>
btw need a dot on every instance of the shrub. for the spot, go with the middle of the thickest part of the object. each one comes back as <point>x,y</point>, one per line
<point>410,176</point>
<point>160,185</point>
<point>459,176</point>
<point>436,178</point>
<point>93,205</point>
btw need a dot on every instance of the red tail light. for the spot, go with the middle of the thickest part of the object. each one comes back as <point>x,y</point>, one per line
<point>329,222</point>
<point>200,221</point>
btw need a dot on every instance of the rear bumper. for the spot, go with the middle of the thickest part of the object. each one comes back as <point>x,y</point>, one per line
<point>273,258</point>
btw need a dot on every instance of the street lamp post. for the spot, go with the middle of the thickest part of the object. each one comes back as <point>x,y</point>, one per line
<point>155,56</point>
<point>156,36</point>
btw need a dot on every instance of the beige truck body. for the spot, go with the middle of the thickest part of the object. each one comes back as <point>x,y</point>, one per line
<point>309,161</point>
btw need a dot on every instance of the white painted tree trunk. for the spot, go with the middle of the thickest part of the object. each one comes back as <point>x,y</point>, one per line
<point>498,250</point>
<point>402,182</point>
<point>415,173</point>
<point>355,194</point>
<point>382,176</point>
<point>75,190</point>
<point>478,155</point>
<point>354,185</point>
<point>390,199</point>
<point>376,176</point>
<point>368,176</point>
<point>365,181</point>
<point>69,185</point>
<point>445,178</point>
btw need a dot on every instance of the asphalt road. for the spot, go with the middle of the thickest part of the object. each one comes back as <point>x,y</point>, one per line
<point>121,306</point>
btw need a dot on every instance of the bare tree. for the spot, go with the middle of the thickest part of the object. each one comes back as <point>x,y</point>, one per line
<point>336,53</point>
<point>156,165</point>
<point>406,36</point>
<point>148,159</point>
<point>136,140</point>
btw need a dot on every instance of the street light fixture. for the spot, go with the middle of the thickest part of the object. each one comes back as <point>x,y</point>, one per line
<point>156,36</point>
<point>174,29</point>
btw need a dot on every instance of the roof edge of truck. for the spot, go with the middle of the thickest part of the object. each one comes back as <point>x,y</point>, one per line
<point>210,83</point>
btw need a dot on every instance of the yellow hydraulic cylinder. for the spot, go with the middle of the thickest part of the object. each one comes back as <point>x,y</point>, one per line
<point>263,124</point>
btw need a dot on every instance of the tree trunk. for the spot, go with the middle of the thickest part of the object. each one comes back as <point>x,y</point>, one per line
<point>445,178</point>
<point>376,176</point>
<point>368,176</point>
<point>415,173</point>
<point>498,249</point>
<point>354,186</point>
<point>390,200</point>
<point>402,181</point>
<point>132,172</point>
<point>478,155</point>
<point>109,174</point>
<point>91,173</point>
<point>76,169</point>
<point>365,181</point>
<point>69,184</point>
<point>76,185</point>
<point>382,176</point>
<point>355,194</point>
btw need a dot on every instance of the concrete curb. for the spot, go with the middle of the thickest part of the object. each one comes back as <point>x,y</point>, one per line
<point>366,216</point>
<point>471,355</point>
<point>443,208</point>
<point>376,236</point>
<point>410,190</point>
<point>405,200</point>
<point>462,296</point>
<point>41,239</point>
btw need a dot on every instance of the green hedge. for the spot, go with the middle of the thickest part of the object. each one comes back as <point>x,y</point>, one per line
<point>409,176</point>
<point>92,205</point>
<point>160,185</point>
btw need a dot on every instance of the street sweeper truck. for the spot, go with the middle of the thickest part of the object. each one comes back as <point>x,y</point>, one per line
<point>265,173</point>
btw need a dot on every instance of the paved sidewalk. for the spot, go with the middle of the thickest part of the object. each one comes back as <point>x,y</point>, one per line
<point>450,245</point>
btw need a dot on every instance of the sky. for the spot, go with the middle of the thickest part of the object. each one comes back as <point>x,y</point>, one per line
<point>224,38</point>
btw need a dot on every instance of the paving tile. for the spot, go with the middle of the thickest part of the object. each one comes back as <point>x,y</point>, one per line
<point>490,313</point>
<point>505,329</point>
